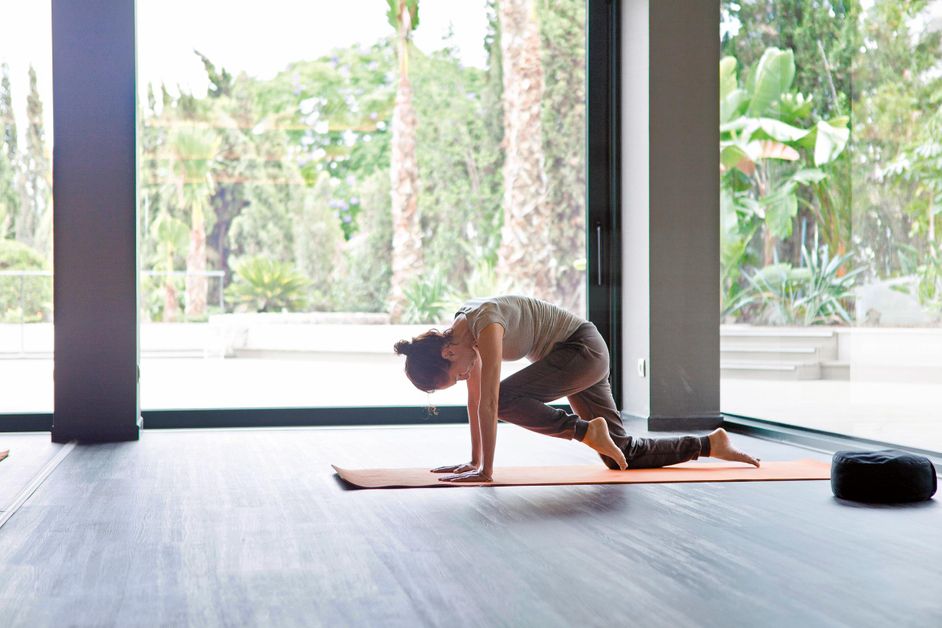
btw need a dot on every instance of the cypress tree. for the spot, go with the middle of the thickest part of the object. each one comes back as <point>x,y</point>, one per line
<point>34,224</point>
<point>7,121</point>
<point>9,199</point>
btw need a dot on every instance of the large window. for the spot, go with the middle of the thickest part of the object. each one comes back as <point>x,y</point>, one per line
<point>26,340</point>
<point>321,179</point>
<point>831,193</point>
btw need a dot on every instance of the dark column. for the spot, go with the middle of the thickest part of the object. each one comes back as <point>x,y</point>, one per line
<point>94,221</point>
<point>670,201</point>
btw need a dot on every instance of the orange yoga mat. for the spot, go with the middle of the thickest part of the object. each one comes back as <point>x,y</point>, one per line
<point>596,474</point>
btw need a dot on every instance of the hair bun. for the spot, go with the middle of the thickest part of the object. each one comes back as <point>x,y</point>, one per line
<point>403,347</point>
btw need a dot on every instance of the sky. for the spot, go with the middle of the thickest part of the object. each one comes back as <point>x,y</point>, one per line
<point>261,41</point>
<point>259,37</point>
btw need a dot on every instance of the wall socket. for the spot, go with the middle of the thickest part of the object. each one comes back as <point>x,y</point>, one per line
<point>642,368</point>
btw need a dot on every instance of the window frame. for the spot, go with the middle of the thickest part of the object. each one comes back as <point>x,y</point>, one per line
<point>603,270</point>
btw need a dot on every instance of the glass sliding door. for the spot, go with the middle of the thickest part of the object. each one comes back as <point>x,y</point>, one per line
<point>26,316</point>
<point>319,180</point>
<point>831,194</point>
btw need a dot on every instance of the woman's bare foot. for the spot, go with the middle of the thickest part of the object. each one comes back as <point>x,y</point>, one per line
<point>722,448</point>
<point>598,438</point>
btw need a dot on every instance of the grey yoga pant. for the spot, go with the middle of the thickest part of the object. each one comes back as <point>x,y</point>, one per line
<point>578,369</point>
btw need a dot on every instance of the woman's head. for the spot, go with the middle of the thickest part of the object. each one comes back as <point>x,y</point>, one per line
<point>435,360</point>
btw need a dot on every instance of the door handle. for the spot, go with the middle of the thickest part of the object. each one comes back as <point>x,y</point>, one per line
<point>598,253</point>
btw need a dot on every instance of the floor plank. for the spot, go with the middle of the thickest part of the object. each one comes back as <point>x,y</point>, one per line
<point>29,453</point>
<point>251,527</point>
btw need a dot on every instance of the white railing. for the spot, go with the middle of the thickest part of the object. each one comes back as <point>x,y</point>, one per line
<point>184,273</point>
<point>23,274</point>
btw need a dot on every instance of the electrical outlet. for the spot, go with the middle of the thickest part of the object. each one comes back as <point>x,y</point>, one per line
<point>642,368</point>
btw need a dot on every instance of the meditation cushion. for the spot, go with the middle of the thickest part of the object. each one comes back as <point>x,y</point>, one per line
<point>884,476</point>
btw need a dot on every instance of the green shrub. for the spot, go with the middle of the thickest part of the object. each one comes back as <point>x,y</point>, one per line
<point>27,298</point>
<point>264,285</point>
<point>427,299</point>
<point>813,294</point>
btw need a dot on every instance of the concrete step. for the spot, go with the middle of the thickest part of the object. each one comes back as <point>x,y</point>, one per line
<point>834,370</point>
<point>781,370</point>
<point>732,331</point>
<point>187,353</point>
<point>779,339</point>
<point>772,354</point>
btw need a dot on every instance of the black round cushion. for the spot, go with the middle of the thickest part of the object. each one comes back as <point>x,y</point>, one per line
<point>885,476</point>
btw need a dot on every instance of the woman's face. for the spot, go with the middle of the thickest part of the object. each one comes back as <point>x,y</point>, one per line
<point>461,359</point>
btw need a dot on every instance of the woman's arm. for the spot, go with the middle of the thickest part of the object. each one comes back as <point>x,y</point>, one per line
<point>490,345</point>
<point>490,348</point>
<point>474,399</point>
<point>474,403</point>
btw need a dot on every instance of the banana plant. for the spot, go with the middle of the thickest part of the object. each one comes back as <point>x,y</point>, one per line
<point>762,129</point>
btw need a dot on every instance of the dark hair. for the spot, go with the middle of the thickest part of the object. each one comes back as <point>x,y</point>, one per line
<point>425,366</point>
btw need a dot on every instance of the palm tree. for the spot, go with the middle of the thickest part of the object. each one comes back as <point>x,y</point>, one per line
<point>525,257</point>
<point>194,149</point>
<point>171,236</point>
<point>404,171</point>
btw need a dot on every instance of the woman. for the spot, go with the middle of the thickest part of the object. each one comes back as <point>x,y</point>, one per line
<point>568,358</point>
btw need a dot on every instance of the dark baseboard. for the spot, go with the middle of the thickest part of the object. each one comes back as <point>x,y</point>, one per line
<point>121,435</point>
<point>682,424</point>
<point>38,422</point>
<point>300,417</point>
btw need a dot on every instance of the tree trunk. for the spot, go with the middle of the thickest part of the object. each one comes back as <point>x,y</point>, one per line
<point>196,263</point>
<point>404,174</point>
<point>563,57</point>
<point>171,307</point>
<point>170,301</point>
<point>525,258</point>
<point>768,247</point>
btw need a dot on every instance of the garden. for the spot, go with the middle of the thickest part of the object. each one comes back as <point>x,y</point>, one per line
<point>383,179</point>
<point>830,163</point>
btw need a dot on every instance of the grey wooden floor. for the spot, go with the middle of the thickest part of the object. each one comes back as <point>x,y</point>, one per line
<point>29,453</point>
<point>251,527</point>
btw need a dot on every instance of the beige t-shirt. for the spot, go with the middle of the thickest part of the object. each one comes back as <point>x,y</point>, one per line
<point>531,326</point>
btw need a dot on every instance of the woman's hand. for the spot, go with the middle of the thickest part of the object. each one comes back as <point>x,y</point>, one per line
<point>469,476</point>
<point>456,468</point>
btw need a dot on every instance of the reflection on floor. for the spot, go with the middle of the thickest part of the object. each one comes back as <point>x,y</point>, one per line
<point>906,414</point>
<point>29,453</point>
<point>251,527</point>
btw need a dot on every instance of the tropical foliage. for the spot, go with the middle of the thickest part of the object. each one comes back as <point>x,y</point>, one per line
<point>378,172</point>
<point>828,144</point>
<point>392,179</point>
<point>812,294</point>
<point>770,148</point>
